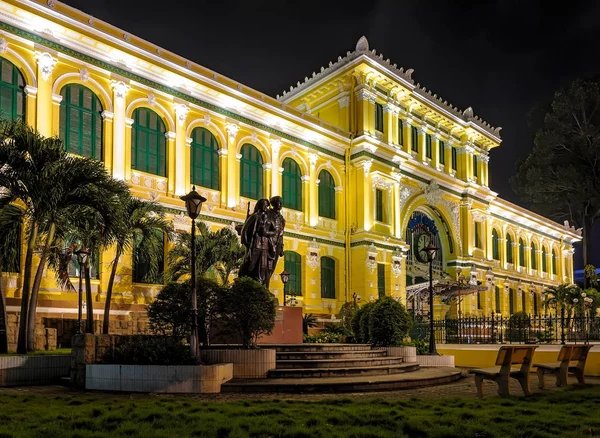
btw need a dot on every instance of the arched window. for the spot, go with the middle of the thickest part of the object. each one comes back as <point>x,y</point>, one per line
<point>327,277</point>
<point>251,173</point>
<point>533,256</point>
<point>291,185</point>
<point>205,159</point>
<point>521,252</point>
<point>495,247</point>
<point>81,121</point>
<point>544,259</point>
<point>326,195</point>
<point>553,262</point>
<point>292,264</point>
<point>12,91</point>
<point>509,249</point>
<point>148,142</point>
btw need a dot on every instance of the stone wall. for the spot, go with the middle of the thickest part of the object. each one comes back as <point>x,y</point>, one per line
<point>45,337</point>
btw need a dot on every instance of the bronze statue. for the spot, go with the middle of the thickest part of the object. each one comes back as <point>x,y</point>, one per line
<point>262,235</point>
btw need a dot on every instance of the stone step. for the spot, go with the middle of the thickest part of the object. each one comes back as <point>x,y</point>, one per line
<point>318,347</point>
<point>421,378</point>
<point>338,363</point>
<point>315,355</point>
<point>303,373</point>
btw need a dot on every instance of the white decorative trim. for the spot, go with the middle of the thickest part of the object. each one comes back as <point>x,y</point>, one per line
<point>312,158</point>
<point>120,89</point>
<point>151,99</point>
<point>344,101</point>
<point>46,63</point>
<point>222,152</point>
<point>312,258</point>
<point>181,112</point>
<point>170,135</point>
<point>232,130</point>
<point>57,99</point>
<point>31,91</point>
<point>84,74</point>
<point>371,260</point>
<point>382,183</point>
<point>107,115</point>
<point>275,145</point>
<point>3,45</point>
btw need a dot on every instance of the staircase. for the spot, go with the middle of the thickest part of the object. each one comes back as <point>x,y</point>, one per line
<point>330,368</point>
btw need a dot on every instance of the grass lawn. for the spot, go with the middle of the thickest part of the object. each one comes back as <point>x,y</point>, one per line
<point>58,351</point>
<point>563,413</point>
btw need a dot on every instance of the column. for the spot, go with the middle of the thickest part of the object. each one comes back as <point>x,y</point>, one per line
<point>107,137</point>
<point>188,164</point>
<point>397,210</point>
<point>119,135</point>
<point>394,123</point>
<point>232,165</point>
<point>466,225</point>
<point>55,124</point>
<point>435,151</point>
<point>344,104</point>
<point>406,146</point>
<point>179,180</point>
<point>223,174</point>
<point>448,156</point>
<point>422,131</point>
<point>275,165</point>
<point>171,161</point>
<point>31,102</point>
<point>364,217</point>
<point>306,199</point>
<point>362,111</point>
<point>370,110</point>
<point>45,66</point>
<point>389,111</point>
<point>267,171</point>
<point>313,211</point>
<point>128,140</point>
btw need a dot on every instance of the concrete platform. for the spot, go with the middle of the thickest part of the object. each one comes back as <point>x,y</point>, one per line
<point>417,379</point>
<point>301,373</point>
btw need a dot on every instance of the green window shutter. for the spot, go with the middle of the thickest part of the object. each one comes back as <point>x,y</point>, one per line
<point>326,195</point>
<point>523,301</point>
<point>414,139</point>
<point>379,209</point>
<point>544,261</point>
<point>205,159</point>
<point>80,126</point>
<point>521,252</point>
<point>148,142</point>
<point>441,152</point>
<point>141,263</point>
<point>509,252</point>
<point>478,235</point>
<point>292,264</point>
<point>553,262</point>
<point>12,91</point>
<point>511,301</point>
<point>251,173</point>
<point>428,145</point>
<point>379,117</point>
<point>533,256</point>
<point>381,279</point>
<point>479,300</point>
<point>475,170</point>
<point>498,310</point>
<point>495,246</point>
<point>454,159</point>
<point>292,185</point>
<point>327,277</point>
<point>400,132</point>
<point>535,304</point>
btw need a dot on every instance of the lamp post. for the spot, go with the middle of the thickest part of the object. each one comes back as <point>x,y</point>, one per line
<point>285,276</point>
<point>587,302</point>
<point>355,298</point>
<point>431,251</point>
<point>193,204</point>
<point>82,256</point>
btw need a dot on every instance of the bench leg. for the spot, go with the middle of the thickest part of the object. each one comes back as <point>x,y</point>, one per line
<point>479,385</point>
<point>561,378</point>
<point>540,373</point>
<point>503,386</point>
<point>578,373</point>
<point>524,381</point>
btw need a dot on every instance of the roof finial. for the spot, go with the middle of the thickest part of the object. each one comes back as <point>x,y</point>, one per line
<point>362,45</point>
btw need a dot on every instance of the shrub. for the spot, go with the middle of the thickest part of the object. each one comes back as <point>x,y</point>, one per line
<point>308,321</point>
<point>363,323</point>
<point>322,338</point>
<point>347,313</point>
<point>248,309</point>
<point>421,345</point>
<point>149,350</point>
<point>389,323</point>
<point>518,327</point>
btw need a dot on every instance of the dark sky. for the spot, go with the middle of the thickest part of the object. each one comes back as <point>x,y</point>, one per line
<point>503,57</point>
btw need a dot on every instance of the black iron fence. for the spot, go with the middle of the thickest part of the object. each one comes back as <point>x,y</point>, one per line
<point>498,329</point>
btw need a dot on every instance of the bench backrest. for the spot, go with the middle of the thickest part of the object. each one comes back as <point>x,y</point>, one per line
<point>515,355</point>
<point>565,353</point>
<point>580,352</point>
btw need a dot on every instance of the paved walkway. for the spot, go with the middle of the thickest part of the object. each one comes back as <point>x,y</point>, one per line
<point>462,388</point>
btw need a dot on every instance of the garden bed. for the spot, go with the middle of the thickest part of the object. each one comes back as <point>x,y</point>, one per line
<point>184,379</point>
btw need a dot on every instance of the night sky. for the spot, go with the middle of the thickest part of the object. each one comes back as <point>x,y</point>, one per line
<point>504,58</point>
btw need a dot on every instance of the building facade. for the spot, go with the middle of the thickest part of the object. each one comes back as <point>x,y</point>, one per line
<point>371,166</point>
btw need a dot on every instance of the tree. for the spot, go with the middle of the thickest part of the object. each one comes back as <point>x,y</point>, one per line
<point>53,186</point>
<point>389,323</point>
<point>248,309</point>
<point>308,321</point>
<point>11,221</point>
<point>144,224</point>
<point>561,175</point>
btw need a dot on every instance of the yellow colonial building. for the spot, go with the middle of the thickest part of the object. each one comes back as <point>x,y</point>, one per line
<point>370,164</point>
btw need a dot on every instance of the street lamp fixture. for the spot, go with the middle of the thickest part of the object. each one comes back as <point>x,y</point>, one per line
<point>355,298</point>
<point>193,204</point>
<point>82,256</point>
<point>431,251</point>
<point>285,277</point>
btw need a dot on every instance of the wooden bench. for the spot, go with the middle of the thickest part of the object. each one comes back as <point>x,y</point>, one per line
<point>503,371</point>
<point>561,369</point>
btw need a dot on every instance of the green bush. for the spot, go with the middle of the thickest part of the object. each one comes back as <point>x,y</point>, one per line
<point>308,321</point>
<point>389,323</point>
<point>322,338</point>
<point>363,323</point>
<point>150,350</point>
<point>422,346</point>
<point>518,327</point>
<point>347,313</point>
<point>247,310</point>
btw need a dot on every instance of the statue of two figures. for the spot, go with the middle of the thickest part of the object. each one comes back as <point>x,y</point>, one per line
<point>262,235</point>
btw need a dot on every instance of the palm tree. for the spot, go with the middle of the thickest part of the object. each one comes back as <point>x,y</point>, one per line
<point>11,220</point>
<point>231,254</point>
<point>53,186</point>
<point>144,224</point>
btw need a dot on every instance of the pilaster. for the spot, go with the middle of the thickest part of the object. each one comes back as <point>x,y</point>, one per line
<point>107,138</point>
<point>171,161</point>
<point>180,162</point>
<point>45,67</point>
<point>232,165</point>
<point>313,211</point>
<point>120,136</point>
<point>275,165</point>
